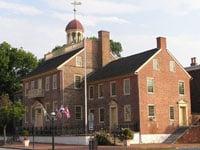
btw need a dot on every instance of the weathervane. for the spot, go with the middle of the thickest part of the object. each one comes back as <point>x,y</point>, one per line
<point>75,3</point>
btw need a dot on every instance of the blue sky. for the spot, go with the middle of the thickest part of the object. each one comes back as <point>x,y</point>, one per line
<point>38,25</point>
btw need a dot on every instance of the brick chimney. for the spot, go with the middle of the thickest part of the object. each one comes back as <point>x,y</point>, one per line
<point>193,61</point>
<point>104,47</point>
<point>161,43</point>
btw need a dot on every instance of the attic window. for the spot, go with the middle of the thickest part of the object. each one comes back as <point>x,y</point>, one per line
<point>79,61</point>
<point>155,64</point>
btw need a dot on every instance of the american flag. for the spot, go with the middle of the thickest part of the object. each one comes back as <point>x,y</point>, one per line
<point>63,112</point>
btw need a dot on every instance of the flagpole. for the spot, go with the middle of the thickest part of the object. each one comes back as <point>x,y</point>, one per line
<point>85,83</point>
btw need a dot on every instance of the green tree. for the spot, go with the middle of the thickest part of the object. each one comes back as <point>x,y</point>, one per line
<point>116,47</point>
<point>14,65</point>
<point>8,112</point>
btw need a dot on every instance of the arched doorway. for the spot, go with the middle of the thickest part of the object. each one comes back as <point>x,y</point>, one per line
<point>38,115</point>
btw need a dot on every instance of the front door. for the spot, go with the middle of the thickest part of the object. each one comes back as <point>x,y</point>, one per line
<point>183,119</point>
<point>113,117</point>
<point>38,117</point>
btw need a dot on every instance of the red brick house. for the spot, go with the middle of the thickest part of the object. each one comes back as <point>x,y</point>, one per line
<point>148,92</point>
<point>194,71</point>
<point>57,81</point>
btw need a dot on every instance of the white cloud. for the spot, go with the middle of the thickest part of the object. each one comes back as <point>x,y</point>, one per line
<point>19,8</point>
<point>90,20</point>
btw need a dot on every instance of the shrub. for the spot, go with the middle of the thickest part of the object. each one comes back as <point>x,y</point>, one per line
<point>25,134</point>
<point>126,134</point>
<point>103,138</point>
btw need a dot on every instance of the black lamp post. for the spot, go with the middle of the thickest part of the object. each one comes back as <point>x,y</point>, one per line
<point>53,115</point>
<point>33,130</point>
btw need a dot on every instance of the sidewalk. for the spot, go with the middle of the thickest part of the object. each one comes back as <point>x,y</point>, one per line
<point>133,147</point>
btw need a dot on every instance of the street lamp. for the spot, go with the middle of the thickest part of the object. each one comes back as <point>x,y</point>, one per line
<point>53,115</point>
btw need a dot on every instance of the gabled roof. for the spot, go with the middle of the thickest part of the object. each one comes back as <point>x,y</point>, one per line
<point>122,66</point>
<point>192,68</point>
<point>53,63</point>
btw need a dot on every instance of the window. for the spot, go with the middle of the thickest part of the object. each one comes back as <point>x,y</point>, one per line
<point>151,111</point>
<point>48,109</point>
<point>150,85</point>
<point>113,88</point>
<point>39,83</point>
<point>101,115</point>
<point>47,83</point>
<point>126,87</point>
<point>171,113</point>
<point>79,61</point>
<point>26,88</point>
<point>155,64</point>
<point>91,92</point>
<point>127,112</point>
<point>181,88</point>
<point>55,81</point>
<point>100,90</point>
<point>78,112</point>
<point>172,66</point>
<point>77,81</point>
<point>32,85</point>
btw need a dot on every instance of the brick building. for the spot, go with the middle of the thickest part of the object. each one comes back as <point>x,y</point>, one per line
<point>148,92</point>
<point>58,80</point>
<point>194,71</point>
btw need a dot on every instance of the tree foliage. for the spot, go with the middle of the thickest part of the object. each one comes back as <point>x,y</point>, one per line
<point>9,111</point>
<point>14,65</point>
<point>116,48</point>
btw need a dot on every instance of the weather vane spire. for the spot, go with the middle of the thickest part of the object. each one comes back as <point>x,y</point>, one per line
<point>75,3</point>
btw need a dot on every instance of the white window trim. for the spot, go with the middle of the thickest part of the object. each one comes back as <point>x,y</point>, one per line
<point>55,79</point>
<point>155,64</point>
<point>153,117</point>
<point>47,88</point>
<point>75,80</point>
<point>79,57</point>
<point>91,86</point>
<point>174,67</point>
<point>100,97</point>
<point>111,89</point>
<point>81,112</point>
<point>149,78</point>
<point>124,81</point>
<point>99,115</point>
<point>169,113</point>
<point>127,120</point>
<point>178,87</point>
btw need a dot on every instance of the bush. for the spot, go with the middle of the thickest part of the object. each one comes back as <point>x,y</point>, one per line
<point>126,134</point>
<point>25,134</point>
<point>103,138</point>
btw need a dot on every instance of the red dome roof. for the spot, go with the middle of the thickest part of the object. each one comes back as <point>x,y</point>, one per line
<point>74,25</point>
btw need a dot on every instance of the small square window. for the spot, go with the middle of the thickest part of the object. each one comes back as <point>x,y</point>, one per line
<point>126,87</point>
<point>101,115</point>
<point>151,111</point>
<point>77,81</point>
<point>171,113</point>
<point>100,90</point>
<point>113,88</point>
<point>181,88</point>
<point>155,64</point>
<point>78,112</point>
<point>79,61</point>
<point>91,92</point>
<point>150,85</point>
<point>172,66</point>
